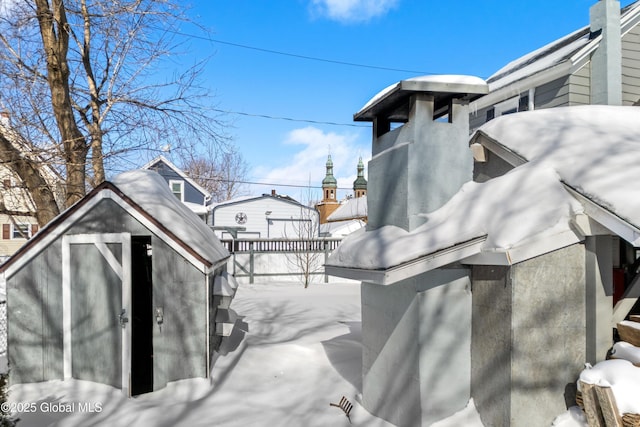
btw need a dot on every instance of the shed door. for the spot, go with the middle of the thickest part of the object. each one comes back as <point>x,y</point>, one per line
<point>96,290</point>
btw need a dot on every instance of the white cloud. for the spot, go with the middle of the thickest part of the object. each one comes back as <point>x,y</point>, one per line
<point>352,10</point>
<point>306,166</point>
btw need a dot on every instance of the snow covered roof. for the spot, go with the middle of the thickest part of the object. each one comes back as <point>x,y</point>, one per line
<point>350,209</point>
<point>341,228</point>
<point>387,101</point>
<point>145,195</point>
<point>551,61</point>
<point>594,149</point>
<point>569,162</point>
<point>149,190</point>
<point>501,217</point>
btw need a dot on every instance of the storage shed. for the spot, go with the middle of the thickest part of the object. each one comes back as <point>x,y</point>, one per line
<point>119,289</point>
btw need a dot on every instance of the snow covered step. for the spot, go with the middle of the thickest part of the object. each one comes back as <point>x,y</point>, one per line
<point>225,286</point>
<point>225,321</point>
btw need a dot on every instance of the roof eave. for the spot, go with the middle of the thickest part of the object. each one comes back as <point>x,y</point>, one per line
<point>516,87</point>
<point>412,268</point>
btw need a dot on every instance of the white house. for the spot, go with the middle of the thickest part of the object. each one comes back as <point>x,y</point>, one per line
<point>270,216</point>
<point>18,217</point>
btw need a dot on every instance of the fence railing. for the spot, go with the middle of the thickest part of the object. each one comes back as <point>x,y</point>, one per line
<point>281,245</point>
<point>245,254</point>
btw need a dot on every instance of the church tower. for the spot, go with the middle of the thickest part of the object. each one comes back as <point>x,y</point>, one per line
<point>329,201</point>
<point>360,184</point>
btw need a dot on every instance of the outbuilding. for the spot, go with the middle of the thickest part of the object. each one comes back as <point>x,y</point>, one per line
<point>123,288</point>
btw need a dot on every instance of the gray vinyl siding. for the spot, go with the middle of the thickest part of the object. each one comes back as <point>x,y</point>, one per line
<point>478,118</point>
<point>580,87</point>
<point>35,331</point>
<point>553,94</point>
<point>191,193</point>
<point>34,297</point>
<point>631,67</point>
<point>179,347</point>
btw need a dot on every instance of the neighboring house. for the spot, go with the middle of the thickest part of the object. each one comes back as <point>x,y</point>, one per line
<point>498,290</point>
<point>128,287</point>
<point>182,186</point>
<point>597,64</point>
<point>270,216</point>
<point>18,222</point>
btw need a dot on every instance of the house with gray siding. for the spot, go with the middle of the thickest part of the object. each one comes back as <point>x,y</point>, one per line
<point>497,289</point>
<point>188,191</point>
<point>128,287</point>
<point>597,64</point>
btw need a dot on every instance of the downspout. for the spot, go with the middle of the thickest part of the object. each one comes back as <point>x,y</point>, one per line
<point>606,61</point>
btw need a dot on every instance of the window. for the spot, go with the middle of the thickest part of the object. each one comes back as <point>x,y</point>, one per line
<point>20,231</point>
<point>177,188</point>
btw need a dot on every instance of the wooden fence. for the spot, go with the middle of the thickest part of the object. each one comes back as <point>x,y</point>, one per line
<point>255,248</point>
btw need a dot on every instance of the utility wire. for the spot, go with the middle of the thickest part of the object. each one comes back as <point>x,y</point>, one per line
<point>265,116</point>
<point>294,55</point>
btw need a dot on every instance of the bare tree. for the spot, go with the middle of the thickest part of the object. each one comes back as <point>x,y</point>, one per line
<point>306,254</point>
<point>221,174</point>
<point>82,81</point>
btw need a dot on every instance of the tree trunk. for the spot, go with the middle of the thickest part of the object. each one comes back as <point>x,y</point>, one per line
<point>55,41</point>
<point>30,173</point>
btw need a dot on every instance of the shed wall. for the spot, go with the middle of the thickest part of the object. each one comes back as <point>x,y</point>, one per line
<point>529,338</point>
<point>35,306</point>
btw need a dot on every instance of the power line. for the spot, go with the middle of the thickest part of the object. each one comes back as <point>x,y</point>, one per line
<point>290,119</point>
<point>294,55</point>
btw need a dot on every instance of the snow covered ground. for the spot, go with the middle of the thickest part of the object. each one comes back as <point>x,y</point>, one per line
<point>296,351</point>
<point>293,352</point>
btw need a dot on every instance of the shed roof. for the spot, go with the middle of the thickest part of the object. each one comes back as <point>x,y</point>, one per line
<point>145,195</point>
<point>595,150</point>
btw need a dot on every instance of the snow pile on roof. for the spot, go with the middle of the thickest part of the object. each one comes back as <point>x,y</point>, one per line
<point>546,57</point>
<point>352,208</point>
<point>595,149</point>
<point>526,203</point>
<point>150,191</point>
<point>438,79</point>
<point>341,228</point>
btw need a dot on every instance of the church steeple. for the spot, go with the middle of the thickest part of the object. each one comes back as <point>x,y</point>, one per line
<point>329,183</point>
<point>360,184</point>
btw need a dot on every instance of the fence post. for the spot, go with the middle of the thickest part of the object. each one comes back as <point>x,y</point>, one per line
<point>326,258</point>
<point>251,252</point>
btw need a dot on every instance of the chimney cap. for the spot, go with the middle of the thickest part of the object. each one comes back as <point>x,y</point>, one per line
<point>390,102</point>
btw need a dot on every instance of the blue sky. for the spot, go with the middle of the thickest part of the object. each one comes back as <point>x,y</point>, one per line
<point>412,37</point>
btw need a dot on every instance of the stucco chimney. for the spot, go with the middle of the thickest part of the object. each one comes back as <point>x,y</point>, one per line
<point>417,167</point>
<point>606,61</point>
